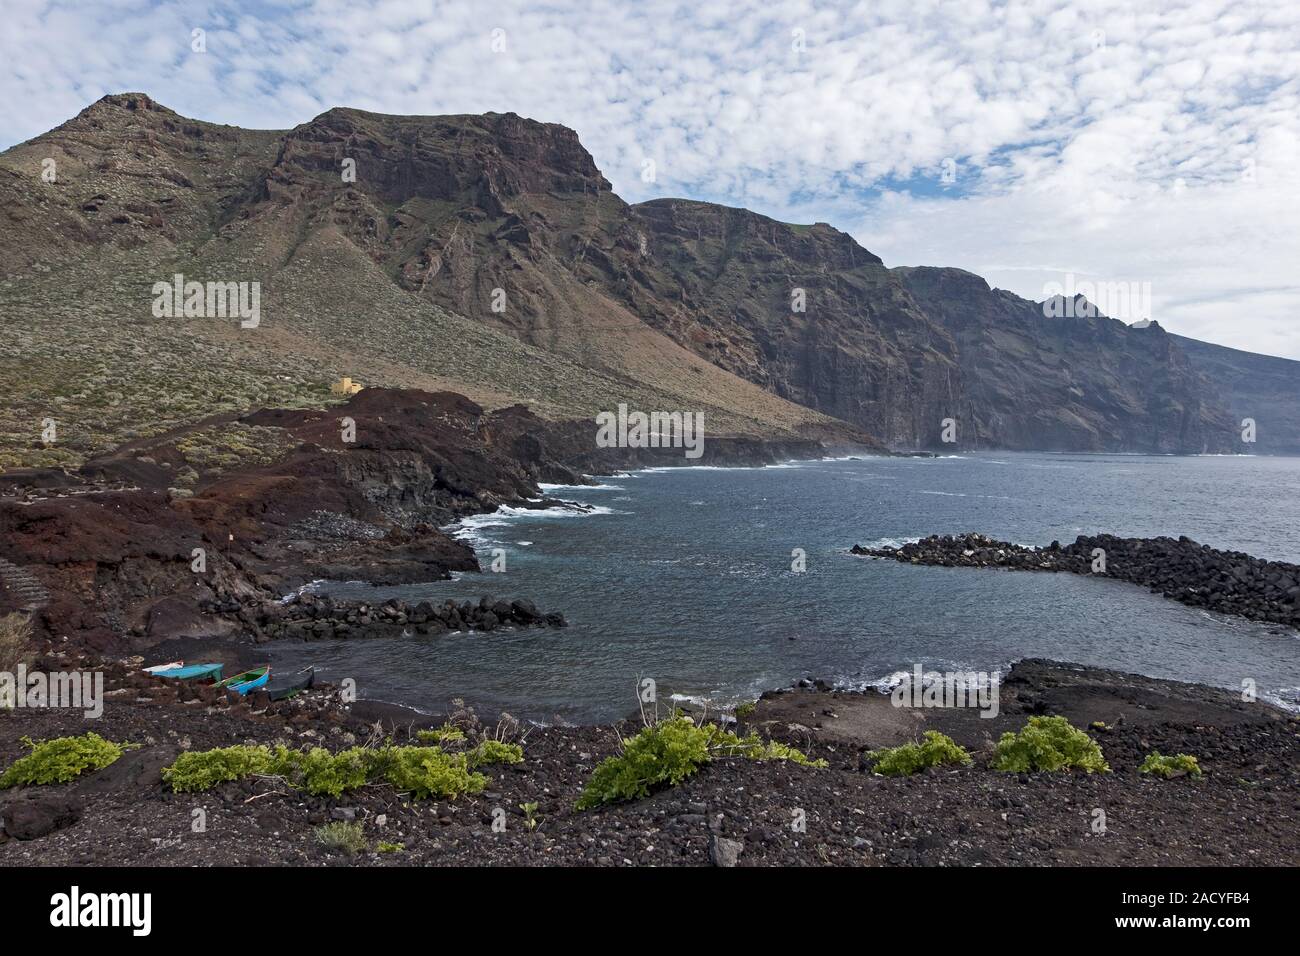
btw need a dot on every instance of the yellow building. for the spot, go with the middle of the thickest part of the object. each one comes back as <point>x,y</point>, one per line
<point>345,386</point>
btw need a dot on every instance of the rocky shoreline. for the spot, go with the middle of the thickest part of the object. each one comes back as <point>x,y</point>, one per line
<point>1227,582</point>
<point>200,532</point>
<point>1243,810</point>
<point>310,617</point>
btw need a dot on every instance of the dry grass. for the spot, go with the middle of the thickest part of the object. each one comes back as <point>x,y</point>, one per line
<point>15,641</point>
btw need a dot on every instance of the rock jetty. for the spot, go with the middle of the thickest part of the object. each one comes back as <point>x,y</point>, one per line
<point>1229,582</point>
<point>314,617</point>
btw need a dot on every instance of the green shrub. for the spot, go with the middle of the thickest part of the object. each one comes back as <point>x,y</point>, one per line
<point>446,734</point>
<point>752,748</point>
<point>666,753</point>
<point>204,769</point>
<point>423,771</point>
<point>61,759</point>
<point>745,710</point>
<point>935,750</point>
<point>323,773</point>
<point>1048,743</point>
<point>348,837</point>
<point>1166,767</point>
<point>495,751</point>
<point>430,772</point>
<point>386,847</point>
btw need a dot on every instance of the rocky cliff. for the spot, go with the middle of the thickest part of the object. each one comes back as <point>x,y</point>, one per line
<point>488,254</point>
<point>1261,388</point>
<point>1078,382</point>
<point>235,511</point>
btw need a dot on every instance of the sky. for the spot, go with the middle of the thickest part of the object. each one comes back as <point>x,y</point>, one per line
<point>1149,147</point>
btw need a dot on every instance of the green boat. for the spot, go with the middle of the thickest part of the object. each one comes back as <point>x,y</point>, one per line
<point>249,680</point>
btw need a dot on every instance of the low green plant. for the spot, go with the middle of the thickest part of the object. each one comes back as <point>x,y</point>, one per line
<point>495,751</point>
<point>446,734</point>
<point>430,772</point>
<point>61,759</point>
<point>665,753</point>
<point>1166,767</point>
<point>197,770</point>
<point>530,814</point>
<point>421,771</point>
<point>386,847</point>
<point>1048,743</point>
<point>341,836</point>
<point>752,747</point>
<point>934,750</point>
<point>745,710</point>
<point>323,773</point>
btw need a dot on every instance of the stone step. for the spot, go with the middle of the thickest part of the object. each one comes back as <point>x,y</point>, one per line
<point>23,587</point>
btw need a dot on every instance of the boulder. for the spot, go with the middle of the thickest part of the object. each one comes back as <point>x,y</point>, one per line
<point>524,611</point>
<point>724,852</point>
<point>31,818</point>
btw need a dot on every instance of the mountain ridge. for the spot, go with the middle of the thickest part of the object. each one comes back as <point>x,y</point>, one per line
<point>396,275</point>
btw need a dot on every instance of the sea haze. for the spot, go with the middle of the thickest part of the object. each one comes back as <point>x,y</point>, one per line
<point>684,576</point>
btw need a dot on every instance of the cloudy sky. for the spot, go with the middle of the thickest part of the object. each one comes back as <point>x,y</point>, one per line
<point>1035,143</point>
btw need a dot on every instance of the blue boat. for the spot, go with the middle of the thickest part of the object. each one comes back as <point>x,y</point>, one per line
<point>249,680</point>
<point>192,672</point>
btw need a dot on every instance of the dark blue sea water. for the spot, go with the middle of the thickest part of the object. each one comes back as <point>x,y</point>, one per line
<point>684,576</point>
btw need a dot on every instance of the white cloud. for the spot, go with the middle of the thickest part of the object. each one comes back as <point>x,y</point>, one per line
<point>1113,141</point>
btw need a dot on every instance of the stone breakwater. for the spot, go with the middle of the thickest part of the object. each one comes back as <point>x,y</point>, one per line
<point>1229,582</point>
<point>314,617</point>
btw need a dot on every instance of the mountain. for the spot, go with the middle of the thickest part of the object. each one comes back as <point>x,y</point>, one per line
<point>456,207</point>
<point>1076,382</point>
<point>489,255</point>
<point>1262,388</point>
<point>141,194</point>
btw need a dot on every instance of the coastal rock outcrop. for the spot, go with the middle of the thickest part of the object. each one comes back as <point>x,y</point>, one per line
<point>1229,582</point>
<point>313,617</point>
<point>274,500</point>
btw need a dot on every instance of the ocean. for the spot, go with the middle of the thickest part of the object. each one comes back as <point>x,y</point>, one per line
<point>686,576</point>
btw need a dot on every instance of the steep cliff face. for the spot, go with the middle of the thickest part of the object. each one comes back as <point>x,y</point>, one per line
<point>1067,383</point>
<point>509,222</point>
<point>1261,388</point>
<point>802,310</point>
<point>452,207</point>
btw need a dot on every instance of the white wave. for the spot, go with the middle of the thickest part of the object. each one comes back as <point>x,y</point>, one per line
<point>659,469</point>
<point>311,587</point>
<point>879,543</point>
<point>1288,698</point>
<point>550,487</point>
<point>471,527</point>
<point>888,682</point>
<point>964,494</point>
